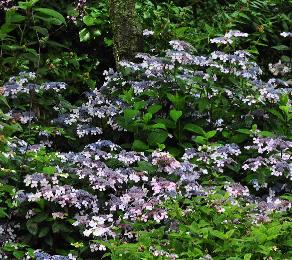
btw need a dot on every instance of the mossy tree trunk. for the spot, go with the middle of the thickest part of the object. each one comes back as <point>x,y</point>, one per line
<point>127,31</point>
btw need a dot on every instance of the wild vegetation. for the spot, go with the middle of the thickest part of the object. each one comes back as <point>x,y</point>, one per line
<point>145,129</point>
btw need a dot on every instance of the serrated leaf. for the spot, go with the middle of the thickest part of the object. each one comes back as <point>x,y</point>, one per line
<point>41,30</point>
<point>52,13</point>
<point>157,137</point>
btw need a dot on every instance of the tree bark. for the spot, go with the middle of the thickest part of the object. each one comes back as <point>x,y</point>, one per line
<point>127,31</point>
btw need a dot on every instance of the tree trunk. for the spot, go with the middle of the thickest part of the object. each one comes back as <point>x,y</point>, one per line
<point>127,31</point>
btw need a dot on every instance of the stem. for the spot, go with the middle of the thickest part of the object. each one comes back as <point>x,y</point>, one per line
<point>39,44</point>
<point>22,33</point>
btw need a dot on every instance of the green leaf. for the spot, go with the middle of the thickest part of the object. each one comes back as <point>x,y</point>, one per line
<point>32,227</point>
<point>147,117</point>
<point>277,114</point>
<point>146,166</point>
<point>167,122</point>
<point>175,114</point>
<point>238,138</point>
<point>157,137</point>
<point>52,13</point>
<point>154,108</point>
<point>140,104</point>
<point>129,114</point>
<point>49,169</point>
<point>159,126</point>
<point>176,100</point>
<point>244,131</point>
<point>88,20</point>
<point>287,197</point>
<point>218,234</point>
<point>194,128</point>
<point>12,17</point>
<point>84,35</point>
<point>4,101</point>
<point>210,134</point>
<point>266,134</point>
<point>108,42</point>
<point>285,109</point>
<point>139,145</point>
<point>27,4</point>
<point>3,213</point>
<point>247,256</point>
<point>39,218</point>
<point>96,33</point>
<point>203,104</point>
<point>200,140</point>
<point>281,48</point>
<point>18,254</point>
<point>60,227</point>
<point>41,30</point>
<point>44,231</point>
<point>49,240</point>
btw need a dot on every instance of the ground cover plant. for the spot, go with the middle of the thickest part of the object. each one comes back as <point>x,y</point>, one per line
<point>181,151</point>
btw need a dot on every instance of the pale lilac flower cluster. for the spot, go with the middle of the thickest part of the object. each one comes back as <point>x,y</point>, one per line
<point>23,84</point>
<point>40,255</point>
<point>181,46</point>
<point>286,34</point>
<point>97,108</point>
<point>7,235</point>
<point>215,157</point>
<point>228,38</point>
<point>272,203</point>
<point>79,6</point>
<point>124,189</point>
<point>22,117</point>
<point>83,130</point>
<point>58,215</point>
<point>267,145</point>
<point>97,247</point>
<point>274,159</point>
<point>64,195</point>
<point>162,253</point>
<point>6,4</point>
<point>279,68</point>
<point>165,162</point>
<point>237,190</point>
<point>147,32</point>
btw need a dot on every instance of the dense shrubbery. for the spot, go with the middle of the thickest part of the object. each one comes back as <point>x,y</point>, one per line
<point>183,154</point>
